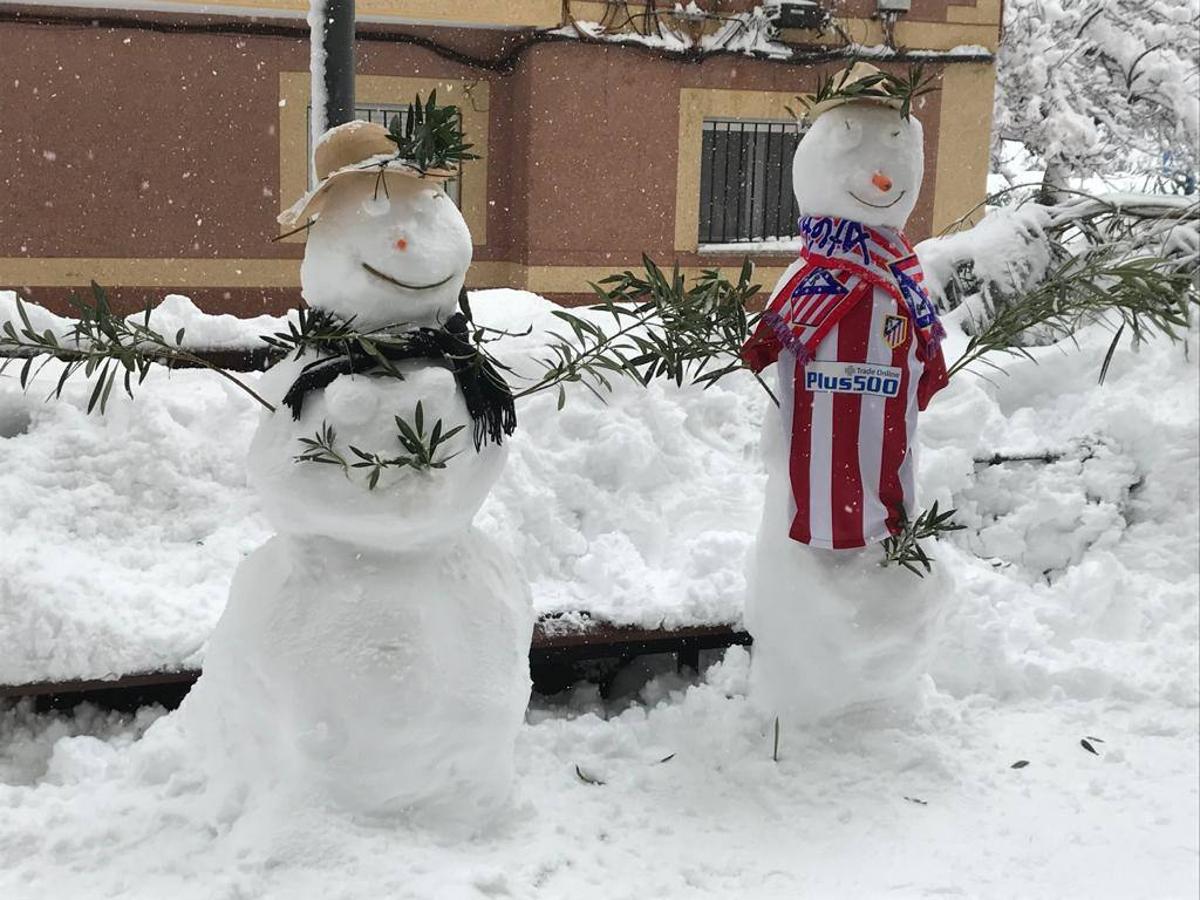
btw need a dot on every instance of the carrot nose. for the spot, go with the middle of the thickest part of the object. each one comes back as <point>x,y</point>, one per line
<point>401,244</point>
<point>881,181</point>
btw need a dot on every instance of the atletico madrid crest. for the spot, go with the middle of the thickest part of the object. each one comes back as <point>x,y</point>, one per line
<point>895,331</point>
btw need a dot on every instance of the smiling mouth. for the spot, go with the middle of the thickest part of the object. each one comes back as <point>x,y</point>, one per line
<point>404,284</point>
<point>899,197</point>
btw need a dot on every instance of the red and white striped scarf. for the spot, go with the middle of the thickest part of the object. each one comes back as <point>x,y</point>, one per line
<point>844,260</point>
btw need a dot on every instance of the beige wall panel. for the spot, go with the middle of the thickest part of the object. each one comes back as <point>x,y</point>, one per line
<point>914,35</point>
<point>984,12</point>
<point>578,279</point>
<point>171,273</point>
<point>182,274</point>
<point>963,147</point>
<point>695,105</point>
<point>963,26</point>
<point>511,13</point>
<point>977,12</point>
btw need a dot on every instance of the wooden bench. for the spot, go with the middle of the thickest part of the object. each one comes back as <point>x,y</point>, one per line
<point>558,645</point>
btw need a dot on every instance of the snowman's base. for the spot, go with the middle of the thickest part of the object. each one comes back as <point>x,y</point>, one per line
<point>376,683</point>
<point>834,630</point>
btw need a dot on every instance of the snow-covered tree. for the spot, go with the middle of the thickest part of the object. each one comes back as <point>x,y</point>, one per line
<point>1102,86</point>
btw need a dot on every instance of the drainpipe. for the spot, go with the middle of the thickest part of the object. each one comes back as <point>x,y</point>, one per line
<point>339,61</point>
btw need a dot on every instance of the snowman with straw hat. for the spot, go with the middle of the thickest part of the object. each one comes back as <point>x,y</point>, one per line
<point>373,655</point>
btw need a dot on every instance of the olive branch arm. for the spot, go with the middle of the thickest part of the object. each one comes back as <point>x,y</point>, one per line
<point>665,328</point>
<point>103,346</point>
<point>904,549</point>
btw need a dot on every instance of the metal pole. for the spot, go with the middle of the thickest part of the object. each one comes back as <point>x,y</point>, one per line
<point>339,62</point>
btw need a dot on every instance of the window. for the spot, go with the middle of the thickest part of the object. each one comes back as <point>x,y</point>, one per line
<point>746,180</point>
<point>382,113</point>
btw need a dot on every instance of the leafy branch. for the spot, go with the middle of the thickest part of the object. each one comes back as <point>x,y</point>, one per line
<point>904,549</point>
<point>324,334</point>
<point>320,448</point>
<point>1145,298</point>
<point>883,87</point>
<point>430,137</point>
<point>104,347</point>
<point>313,329</point>
<point>664,329</point>
<point>422,450</point>
<point>1128,260</point>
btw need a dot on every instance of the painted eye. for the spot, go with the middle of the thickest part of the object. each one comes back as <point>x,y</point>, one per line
<point>851,134</point>
<point>895,134</point>
<point>377,206</point>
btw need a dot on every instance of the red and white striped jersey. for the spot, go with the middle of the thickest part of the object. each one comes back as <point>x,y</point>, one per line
<point>850,413</point>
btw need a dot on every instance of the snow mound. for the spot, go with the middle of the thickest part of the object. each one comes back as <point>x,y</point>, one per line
<point>123,531</point>
<point>120,532</point>
<point>203,330</point>
<point>1074,625</point>
<point>41,320</point>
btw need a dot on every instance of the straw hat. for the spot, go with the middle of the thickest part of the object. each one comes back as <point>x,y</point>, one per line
<point>879,93</point>
<point>354,148</point>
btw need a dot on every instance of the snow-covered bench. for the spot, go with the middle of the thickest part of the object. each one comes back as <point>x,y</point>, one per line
<point>557,643</point>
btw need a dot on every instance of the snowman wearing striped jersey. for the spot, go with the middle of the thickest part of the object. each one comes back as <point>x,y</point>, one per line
<point>854,339</point>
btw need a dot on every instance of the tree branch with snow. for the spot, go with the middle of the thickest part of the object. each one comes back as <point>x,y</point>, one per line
<point>1093,88</point>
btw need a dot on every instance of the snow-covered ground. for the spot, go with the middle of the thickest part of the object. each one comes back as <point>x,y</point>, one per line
<point>689,805</point>
<point>1076,620</point>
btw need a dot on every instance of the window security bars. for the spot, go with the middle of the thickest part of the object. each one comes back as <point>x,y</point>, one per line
<point>746,180</point>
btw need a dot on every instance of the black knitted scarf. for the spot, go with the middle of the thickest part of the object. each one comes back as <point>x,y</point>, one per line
<point>488,397</point>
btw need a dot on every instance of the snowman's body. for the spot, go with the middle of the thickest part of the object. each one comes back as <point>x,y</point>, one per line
<point>374,654</point>
<point>832,628</point>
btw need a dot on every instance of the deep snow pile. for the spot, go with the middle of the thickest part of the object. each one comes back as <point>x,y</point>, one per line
<point>638,510</point>
<point>122,532</point>
<point>1082,571</point>
<point>1075,619</point>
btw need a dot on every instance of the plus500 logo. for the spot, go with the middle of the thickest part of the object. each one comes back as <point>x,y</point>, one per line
<point>879,385</point>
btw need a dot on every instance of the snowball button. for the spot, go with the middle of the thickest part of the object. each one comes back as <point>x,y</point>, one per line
<point>352,400</point>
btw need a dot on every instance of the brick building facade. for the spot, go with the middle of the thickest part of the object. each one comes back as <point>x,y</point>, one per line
<point>152,148</point>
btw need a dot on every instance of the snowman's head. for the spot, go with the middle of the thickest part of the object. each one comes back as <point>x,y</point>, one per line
<point>860,161</point>
<point>386,251</point>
